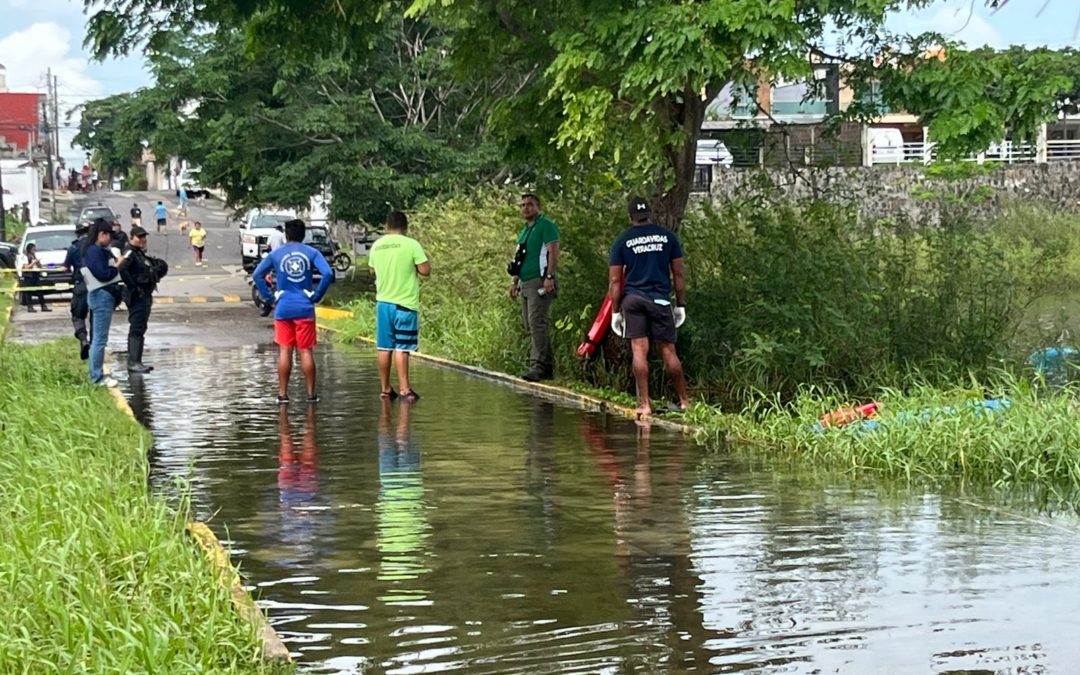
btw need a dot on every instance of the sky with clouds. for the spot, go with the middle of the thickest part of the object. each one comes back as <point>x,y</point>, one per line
<point>38,34</point>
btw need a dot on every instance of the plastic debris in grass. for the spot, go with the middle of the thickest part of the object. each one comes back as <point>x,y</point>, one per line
<point>870,423</point>
<point>1055,364</point>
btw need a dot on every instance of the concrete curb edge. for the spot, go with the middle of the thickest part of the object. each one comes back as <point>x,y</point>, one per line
<point>547,391</point>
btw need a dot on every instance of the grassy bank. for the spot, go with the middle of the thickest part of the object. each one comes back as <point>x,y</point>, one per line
<point>95,575</point>
<point>1014,434</point>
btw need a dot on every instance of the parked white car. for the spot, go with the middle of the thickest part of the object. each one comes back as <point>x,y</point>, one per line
<point>255,231</point>
<point>51,242</point>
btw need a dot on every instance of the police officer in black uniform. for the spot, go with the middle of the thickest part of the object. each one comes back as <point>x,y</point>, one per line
<point>80,310</point>
<point>141,276</point>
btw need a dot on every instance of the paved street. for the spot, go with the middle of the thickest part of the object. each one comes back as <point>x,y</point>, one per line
<point>222,279</point>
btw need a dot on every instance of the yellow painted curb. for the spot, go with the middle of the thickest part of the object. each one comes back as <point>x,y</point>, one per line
<point>166,300</point>
<point>273,648</point>
<point>198,299</point>
<point>548,391</point>
<point>122,403</point>
<point>230,298</point>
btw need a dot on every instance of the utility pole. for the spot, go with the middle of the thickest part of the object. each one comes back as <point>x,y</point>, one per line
<point>56,111</point>
<point>3,213</point>
<point>50,149</point>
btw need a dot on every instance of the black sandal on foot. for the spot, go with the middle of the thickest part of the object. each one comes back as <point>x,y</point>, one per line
<point>283,400</point>
<point>313,398</point>
<point>388,395</point>
<point>411,396</point>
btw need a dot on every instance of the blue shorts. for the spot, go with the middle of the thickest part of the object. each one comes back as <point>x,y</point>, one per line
<point>396,327</point>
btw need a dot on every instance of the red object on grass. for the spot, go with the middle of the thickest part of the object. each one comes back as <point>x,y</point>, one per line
<point>846,415</point>
<point>597,331</point>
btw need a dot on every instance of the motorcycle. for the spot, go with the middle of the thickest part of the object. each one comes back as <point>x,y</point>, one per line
<point>263,306</point>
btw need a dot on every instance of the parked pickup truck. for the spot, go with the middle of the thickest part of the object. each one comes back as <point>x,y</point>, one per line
<point>255,231</point>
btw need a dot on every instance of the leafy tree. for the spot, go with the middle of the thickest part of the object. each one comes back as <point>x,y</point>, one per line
<point>269,128</point>
<point>619,88</point>
<point>972,99</point>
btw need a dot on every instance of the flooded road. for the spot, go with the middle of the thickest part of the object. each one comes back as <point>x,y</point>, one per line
<point>480,530</point>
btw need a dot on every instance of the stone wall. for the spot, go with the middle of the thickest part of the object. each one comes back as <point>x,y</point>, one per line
<point>905,191</point>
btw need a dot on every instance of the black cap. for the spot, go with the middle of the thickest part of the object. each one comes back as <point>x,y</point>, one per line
<point>638,208</point>
<point>137,232</point>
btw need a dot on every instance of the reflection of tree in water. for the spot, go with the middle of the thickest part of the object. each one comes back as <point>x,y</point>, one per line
<point>303,520</point>
<point>652,547</point>
<point>402,530</point>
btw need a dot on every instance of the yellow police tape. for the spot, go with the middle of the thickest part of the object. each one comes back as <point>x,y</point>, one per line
<point>66,286</point>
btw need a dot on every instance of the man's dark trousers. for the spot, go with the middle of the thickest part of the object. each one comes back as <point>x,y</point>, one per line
<point>138,316</point>
<point>80,310</point>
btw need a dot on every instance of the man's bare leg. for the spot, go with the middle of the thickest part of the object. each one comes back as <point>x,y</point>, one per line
<point>307,364</point>
<point>284,369</point>
<point>674,370</point>
<point>385,358</point>
<point>401,361</point>
<point>640,348</point>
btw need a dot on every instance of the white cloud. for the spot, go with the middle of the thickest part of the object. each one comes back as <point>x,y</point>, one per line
<point>29,53</point>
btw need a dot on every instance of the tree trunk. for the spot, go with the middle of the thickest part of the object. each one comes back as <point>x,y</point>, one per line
<point>669,203</point>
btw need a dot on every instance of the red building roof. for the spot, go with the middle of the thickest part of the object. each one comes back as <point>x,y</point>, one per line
<point>20,119</point>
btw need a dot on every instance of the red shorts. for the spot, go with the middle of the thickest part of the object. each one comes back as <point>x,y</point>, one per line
<point>295,332</point>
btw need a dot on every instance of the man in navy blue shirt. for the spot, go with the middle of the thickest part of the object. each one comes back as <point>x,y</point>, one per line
<point>646,256</point>
<point>294,317</point>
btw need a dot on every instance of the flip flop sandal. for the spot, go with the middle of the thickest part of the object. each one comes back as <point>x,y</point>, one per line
<point>283,400</point>
<point>388,395</point>
<point>411,396</point>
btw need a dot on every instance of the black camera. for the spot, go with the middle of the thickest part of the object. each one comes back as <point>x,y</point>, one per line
<point>513,268</point>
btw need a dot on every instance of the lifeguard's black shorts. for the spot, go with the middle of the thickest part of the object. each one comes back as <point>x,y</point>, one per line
<point>645,318</point>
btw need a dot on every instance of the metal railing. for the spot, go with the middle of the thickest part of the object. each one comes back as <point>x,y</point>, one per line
<point>1063,151</point>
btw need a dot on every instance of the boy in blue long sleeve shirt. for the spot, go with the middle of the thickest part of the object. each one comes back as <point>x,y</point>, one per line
<point>294,316</point>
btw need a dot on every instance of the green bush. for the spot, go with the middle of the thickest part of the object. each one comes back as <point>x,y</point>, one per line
<point>780,293</point>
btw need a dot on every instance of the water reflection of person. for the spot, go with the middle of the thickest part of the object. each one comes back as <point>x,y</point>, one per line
<point>652,545</point>
<point>540,467</point>
<point>403,530</point>
<point>298,487</point>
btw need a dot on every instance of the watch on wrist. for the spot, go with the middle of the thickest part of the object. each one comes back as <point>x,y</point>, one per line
<point>550,276</point>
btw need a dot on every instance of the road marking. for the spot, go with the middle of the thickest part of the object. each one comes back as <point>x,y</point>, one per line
<point>197,299</point>
<point>232,298</point>
<point>165,300</point>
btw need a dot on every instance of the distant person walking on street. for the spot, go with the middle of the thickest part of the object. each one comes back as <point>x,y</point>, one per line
<point>533,270</point>
<point>198,242</point>
<point>647,256</point>
<point>162,216</point>
<point>31,277</point>
<point>80,310</point>
<point>101,271</point>
<point>136,216</point>
<point>398,262</point>
<point>141,276</point>
<point>294,325</point>
<point>183,201</point>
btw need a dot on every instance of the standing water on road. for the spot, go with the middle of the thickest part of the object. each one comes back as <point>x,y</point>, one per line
<point>482,530</point>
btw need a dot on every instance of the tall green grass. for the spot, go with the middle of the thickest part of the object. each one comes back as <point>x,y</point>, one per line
<point>95,575</point>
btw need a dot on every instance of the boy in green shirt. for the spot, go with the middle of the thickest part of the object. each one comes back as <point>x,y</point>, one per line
<point>398,262</point>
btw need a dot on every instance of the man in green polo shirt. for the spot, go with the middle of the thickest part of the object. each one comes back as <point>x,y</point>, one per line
<point>535,284</point>
<point>398,262</point>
